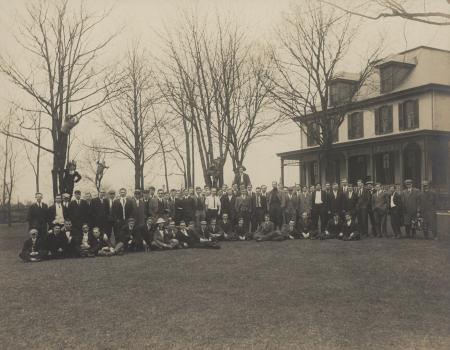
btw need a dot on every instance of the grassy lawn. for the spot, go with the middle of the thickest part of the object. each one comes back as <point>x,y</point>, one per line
<point>372,294</point>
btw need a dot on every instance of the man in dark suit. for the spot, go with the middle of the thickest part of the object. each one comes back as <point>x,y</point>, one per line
<point>349,201</point>
<point>200,210</point>
<point>259,209</point>
<point>99,211</point>
<point>38,216</point>
<point>362,208</point>
<point>33,249</point>
<point>244,208</point>
<point>410,199</point>
<point>147,231</point>
<point>228,205</point>
<point>188,205</point>
<point>319,209</point>
<point>291,207</point>
<point>379,207</point>
<point>138,208</point>
<point>304,202</point>
<point>122,211</point>
<point>88,210</point>
<point>276,201</point>
<point>56,212</point>
<point>108,205</point>
<point>335,201</point>
<point>241,178</point>
<point>395,210</point>
<point>428,207</point>
<point>76,211</point>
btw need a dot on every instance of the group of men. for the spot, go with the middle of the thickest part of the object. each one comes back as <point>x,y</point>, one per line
<point>199,218</point>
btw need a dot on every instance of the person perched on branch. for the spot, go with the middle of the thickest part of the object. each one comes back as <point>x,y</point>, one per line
<point>241,178</point>
<point>215,171</point>
<point>101,167</point>
<point>71,177</point>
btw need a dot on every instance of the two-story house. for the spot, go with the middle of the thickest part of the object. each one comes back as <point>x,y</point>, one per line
<point>400,129</point>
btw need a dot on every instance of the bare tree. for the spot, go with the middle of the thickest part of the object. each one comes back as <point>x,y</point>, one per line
<point>193,84</point>
<point>33,153</point>
<point>252,117</point>
<point>61,75</point>
<point>9,178</point>
<point>401,9</point>
<point>218,86</point>
<point>129,118</point>
<point>313,45</point>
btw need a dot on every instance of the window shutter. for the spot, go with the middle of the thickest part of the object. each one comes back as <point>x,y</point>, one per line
<point>401,119</point>
<point>361,122</point>
<point>350,126</point>
<point>390,119</point>
<point>377,121</point>
<point>416,113</point>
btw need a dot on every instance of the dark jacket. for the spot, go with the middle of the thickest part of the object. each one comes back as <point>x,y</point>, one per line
<point>37,216</point>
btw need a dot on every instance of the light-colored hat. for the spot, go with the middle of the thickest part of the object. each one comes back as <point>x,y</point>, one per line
<point>160,221</point>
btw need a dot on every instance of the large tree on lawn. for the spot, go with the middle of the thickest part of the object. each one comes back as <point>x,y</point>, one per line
<point>61,74</point>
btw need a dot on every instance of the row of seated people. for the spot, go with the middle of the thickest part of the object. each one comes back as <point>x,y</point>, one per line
<point>64,242</point>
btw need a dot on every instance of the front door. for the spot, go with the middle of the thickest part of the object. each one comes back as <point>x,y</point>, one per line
<point>412,162</point>
<point>357,169</point>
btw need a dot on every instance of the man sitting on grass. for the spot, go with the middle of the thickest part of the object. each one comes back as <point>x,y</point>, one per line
<point>57,244</point>
<point>84,249</point>
<point>289,230</point>
<point>350,229</point>
<point>162,240</point>
<point>227,228</point>
<point>305,227</point>
<point>129,239</point>
<point>100,244</point>
<point>33,248</point>
<point>215,231</point>
<point>334,228</point>
<point>204,237</point>
<point>242,232</point>
<point>186,236</point>
<point>267,232</point>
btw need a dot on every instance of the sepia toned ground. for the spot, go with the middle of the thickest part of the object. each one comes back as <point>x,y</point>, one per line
<point>372,294</point>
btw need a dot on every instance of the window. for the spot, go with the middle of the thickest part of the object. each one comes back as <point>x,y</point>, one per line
<point>408,115</point>
<point>383,120</point>
<point>392,75</point>
<point>355,125</point>
<point>313,134</point>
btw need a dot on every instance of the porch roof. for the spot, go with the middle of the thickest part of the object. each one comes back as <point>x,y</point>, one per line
<point>397,137</point>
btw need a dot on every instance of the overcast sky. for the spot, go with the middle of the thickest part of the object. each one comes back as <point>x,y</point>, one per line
<point>141,18</point>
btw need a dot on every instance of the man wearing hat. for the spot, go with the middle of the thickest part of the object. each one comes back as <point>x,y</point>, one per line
<point>395,209</point>
<point>428,207</point>
<point>33,249</point>
<point>241,178</point>
<point>380,208</point>
<point>410,200</point>
<point>161,238</point>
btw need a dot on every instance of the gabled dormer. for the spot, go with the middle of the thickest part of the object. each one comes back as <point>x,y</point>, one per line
<point>342,88</point>
<point>393,72</point>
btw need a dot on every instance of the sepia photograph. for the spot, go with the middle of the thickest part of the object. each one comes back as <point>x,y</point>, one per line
<point>225,174</point>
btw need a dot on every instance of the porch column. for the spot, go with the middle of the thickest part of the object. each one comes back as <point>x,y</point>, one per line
<point>401,162</point>
<point>372,165</point>
<point>282,171</point>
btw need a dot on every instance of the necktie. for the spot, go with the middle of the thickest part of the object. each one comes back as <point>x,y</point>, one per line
<point>214,202</point>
